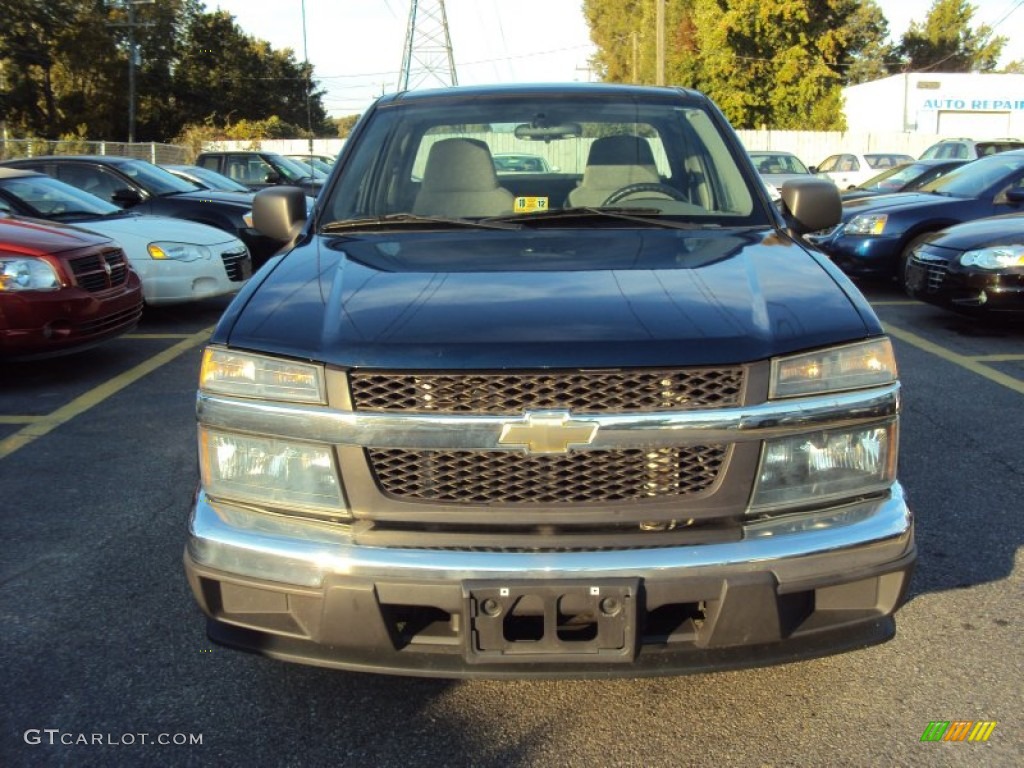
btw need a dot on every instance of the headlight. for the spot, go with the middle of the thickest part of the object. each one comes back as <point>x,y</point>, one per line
<point>867,224</point>
<point>244,375</point>
<point>178,251</point>
<point>270,472</point>
<point>17,274</point>
<point>837,369</point>
<point>996,257</point>
<point>808,469</point>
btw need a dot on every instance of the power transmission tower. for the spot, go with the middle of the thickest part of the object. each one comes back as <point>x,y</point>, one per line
<point>427,59</point>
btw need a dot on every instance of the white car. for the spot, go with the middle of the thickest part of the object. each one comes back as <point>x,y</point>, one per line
<point>848,169</point>
<point>177,260</point>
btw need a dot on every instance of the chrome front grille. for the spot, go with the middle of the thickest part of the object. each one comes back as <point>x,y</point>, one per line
<point>577,477</point>
<point>100,271</point>
<point>237,264</point>
<point>579,391</point>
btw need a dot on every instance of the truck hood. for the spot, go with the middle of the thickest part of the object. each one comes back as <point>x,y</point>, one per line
<point>548,298</point>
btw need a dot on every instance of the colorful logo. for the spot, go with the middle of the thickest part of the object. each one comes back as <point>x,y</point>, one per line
<point>958,730</point>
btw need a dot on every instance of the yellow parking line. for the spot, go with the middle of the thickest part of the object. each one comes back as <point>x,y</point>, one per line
<point>156,336</point>
<point>969,363</point>
<point>97,395</point>
<point>20,419</point>
<point>997,358</point>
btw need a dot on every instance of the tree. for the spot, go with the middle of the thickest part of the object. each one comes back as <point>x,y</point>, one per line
<point>871,56</point>
<point>778,63</point>
<point>344,125</point>
<point>65,64</point>
<point>945,41</point>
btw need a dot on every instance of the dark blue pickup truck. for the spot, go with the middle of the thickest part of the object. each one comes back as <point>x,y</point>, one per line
<point>608,418</point>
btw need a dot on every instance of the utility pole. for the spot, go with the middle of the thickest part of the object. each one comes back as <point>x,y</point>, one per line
<point>660,21</point>
<point>427,54</point>
<point>133,58</point>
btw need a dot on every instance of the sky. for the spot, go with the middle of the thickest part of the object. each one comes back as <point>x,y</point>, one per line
<point>356,46</point>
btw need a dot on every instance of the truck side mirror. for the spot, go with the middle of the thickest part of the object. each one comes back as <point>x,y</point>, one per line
<point>279,212</point>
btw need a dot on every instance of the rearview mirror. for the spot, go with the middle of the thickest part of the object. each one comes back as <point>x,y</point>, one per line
<point>532,132</point>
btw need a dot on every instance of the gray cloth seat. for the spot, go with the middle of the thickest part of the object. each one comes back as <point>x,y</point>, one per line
<point>459,180</point>
<point>614,162</point>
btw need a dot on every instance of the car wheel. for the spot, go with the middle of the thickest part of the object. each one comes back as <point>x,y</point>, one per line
<point>901,268</point>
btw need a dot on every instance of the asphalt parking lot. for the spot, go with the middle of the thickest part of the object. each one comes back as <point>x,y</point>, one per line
<point>105,660</point>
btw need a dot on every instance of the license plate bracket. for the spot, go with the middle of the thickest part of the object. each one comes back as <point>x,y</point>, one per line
<point>542,621</point>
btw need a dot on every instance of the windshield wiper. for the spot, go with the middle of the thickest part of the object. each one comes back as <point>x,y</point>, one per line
<point>410,219</point>
<point>647,216</point>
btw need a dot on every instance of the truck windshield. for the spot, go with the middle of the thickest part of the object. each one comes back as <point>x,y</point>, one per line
<point>518,156</point>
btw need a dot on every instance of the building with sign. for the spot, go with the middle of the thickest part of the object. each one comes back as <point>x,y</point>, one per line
<point>970,105</point>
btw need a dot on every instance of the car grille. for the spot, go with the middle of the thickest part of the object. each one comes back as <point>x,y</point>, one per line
<point>580,391</point>
<point>101,326</point>
<point>236,264</point>
<point>935,273</point>
<point>100,271</point>
<point>577,477</point>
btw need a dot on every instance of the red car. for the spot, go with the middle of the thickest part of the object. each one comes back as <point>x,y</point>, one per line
<point>61,289</point>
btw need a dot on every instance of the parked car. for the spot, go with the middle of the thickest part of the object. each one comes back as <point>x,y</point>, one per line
<point>607,422</point>
<point>877,234</point>
<point>975,268</point>
<point>62,290</point>
<point>322,162</point>
<point>147,188</point>
<point>177,260</point>
<point>204,178</point>
<point>258,170</point>
<point>905,177</point>
<point>314,161</point>
<point>968,149</point>
<point>509,162</point>
<point>848,169</point>
<point>777,167</point>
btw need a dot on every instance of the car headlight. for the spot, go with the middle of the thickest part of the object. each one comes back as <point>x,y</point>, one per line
<point>835,369</point>
<point>827,465</point>
<point>270,472</point>
<point>242,374</point>
<point>178,251</point>
<point>867,224</point>
<point>19,274</point>
<point>996,257</point>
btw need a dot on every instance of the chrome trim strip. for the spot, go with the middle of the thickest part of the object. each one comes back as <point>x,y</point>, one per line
<point>304,553</point>
<point>471,432</point>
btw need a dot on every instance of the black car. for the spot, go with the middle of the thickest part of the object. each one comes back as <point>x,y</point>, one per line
<point>147,188</point>
<point>906,177</point>
<point>258,170</point>
<point>877,234</point>
<point>974,268</point>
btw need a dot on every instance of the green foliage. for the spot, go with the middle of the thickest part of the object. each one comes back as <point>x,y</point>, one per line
<point>781,63</point>
<point>65,63</point>
<point>344,125</point>
<point>945,41</point>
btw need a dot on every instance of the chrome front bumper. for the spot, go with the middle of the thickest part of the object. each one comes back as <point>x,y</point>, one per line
<point>793,547</point>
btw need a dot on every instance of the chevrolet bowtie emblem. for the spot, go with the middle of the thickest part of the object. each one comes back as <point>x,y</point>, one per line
<point>548,432</point>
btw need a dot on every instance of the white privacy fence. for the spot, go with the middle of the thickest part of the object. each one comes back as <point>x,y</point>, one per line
<point>810,146</point>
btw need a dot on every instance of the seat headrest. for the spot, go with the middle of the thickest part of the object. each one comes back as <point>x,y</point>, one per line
<point>620,150</point>
<point>459,165</point>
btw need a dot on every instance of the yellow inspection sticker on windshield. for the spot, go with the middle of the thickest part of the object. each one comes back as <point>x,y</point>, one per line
<point>530,204</point>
